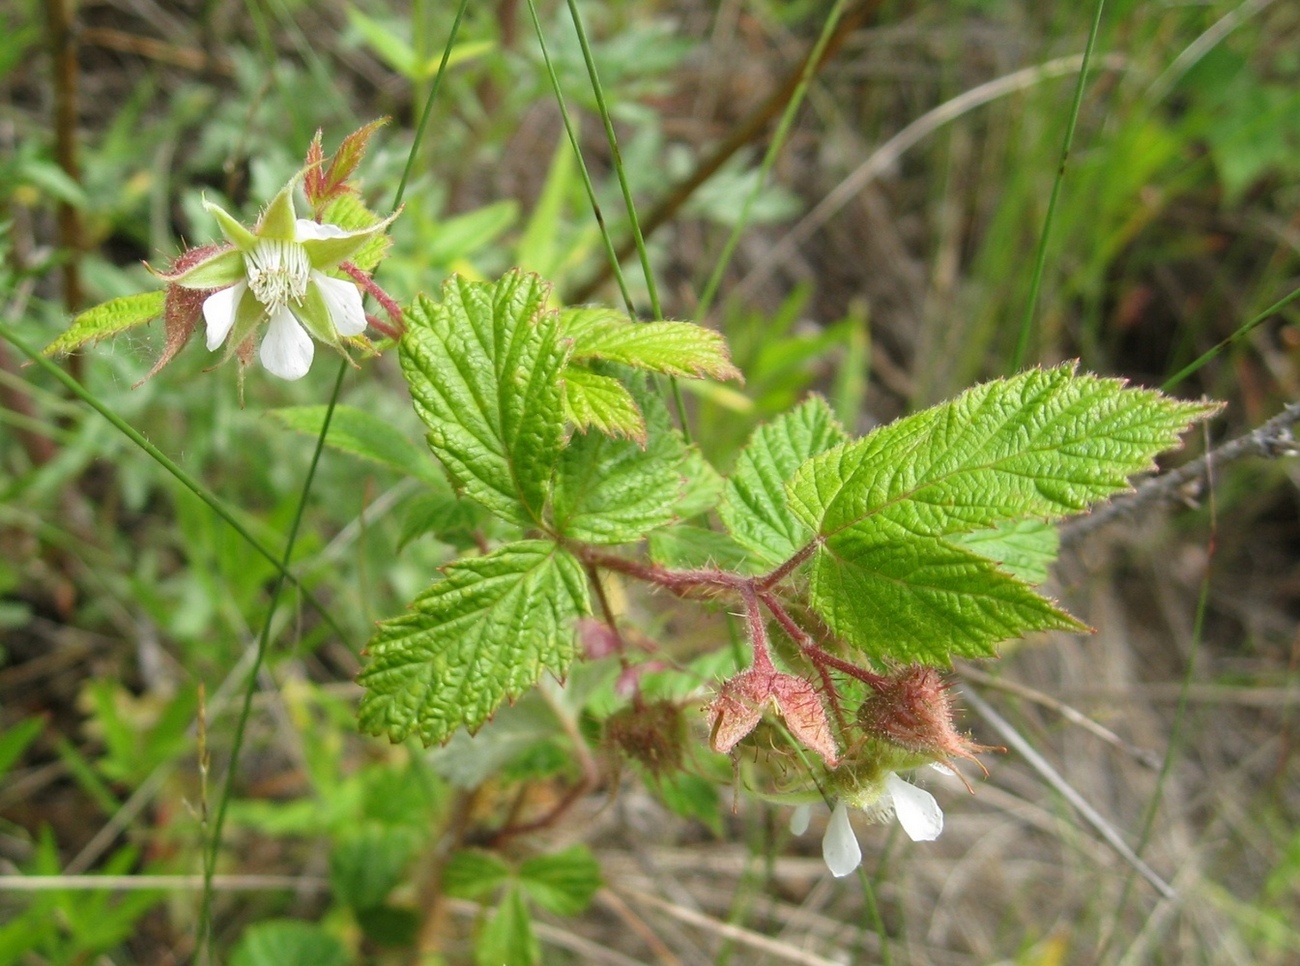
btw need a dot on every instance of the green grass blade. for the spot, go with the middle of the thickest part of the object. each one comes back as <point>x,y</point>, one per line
<point>1040,258</point>
<point>769,158</point>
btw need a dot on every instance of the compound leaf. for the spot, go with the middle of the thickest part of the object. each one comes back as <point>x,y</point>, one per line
<point>755,507</point>
<point>483,634</point>
<point>483,367</point>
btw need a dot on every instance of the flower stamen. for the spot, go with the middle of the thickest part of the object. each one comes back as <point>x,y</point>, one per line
<point>278,273</point>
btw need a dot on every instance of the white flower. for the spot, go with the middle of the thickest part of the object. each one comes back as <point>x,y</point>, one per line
<point>915,808</point>
<point>276,274</point>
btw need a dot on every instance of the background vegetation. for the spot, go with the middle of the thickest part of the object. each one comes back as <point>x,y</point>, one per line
<point>887,260</point>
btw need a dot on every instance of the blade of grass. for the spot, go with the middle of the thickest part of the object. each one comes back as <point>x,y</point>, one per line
<point>587,184</point>
<point>191,484</point>
<point>263,642</point>
<point>1245,329</point>
<point>1040,257</point>
<point>769,158</point>
<point>656,309</point>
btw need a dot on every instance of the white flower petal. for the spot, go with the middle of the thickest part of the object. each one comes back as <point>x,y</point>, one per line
<point>305,228</point>
<point>917,811</point>
<point>800,818</point>
<point>943,769</point>
<point>344,303</point>
<point>287,349</point>
<point>219,312</point>
<point>840,846</point>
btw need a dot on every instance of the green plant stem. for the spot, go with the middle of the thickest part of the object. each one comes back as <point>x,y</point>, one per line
<point>652,290</point>
<point>769,158</point>
<point>1231,340</point>
<point>428,104</point>
<point>191,484</point>
<point>263,643</point>
<point>1040,257</point>
<point>614,265</point>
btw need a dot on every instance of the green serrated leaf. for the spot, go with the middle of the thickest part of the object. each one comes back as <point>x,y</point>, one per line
<point>703,487</point>
<point>614,491</point>
<point>754,506</point>
<point>906,599</point>
<point>472,873</point>
<point>363,434</point>
<point>484,633</point>
<point>109,319</point>
<point>670,348</point>
<point>1025,548</point>
<point>562,883</point>
<point>507,937</point>
<point>483,368</point>
<point>593,401</point>
<point>1044,443</point>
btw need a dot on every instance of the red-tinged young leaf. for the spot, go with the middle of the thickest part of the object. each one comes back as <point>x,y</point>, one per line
<point>313,178</point>
<point>593,401</point>
<point>348,157</point>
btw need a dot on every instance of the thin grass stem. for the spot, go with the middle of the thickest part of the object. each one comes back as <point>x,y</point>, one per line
<point>576,145</point>
<point>182,477</point>
<point>616,156</point>
<point>769,159</point>
<point>1040,257</point>
<point>263,642</point>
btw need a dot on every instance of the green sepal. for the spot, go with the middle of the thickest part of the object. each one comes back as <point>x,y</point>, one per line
<point>326,253</point>
<point>108,319</point>
<point>279,220</point>
<point>249,315</point>
<point>222,269</point>
<point>314,314</point>
<point>235,233</point>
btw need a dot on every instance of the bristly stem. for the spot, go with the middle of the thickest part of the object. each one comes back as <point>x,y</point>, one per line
<point>790,566</point>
